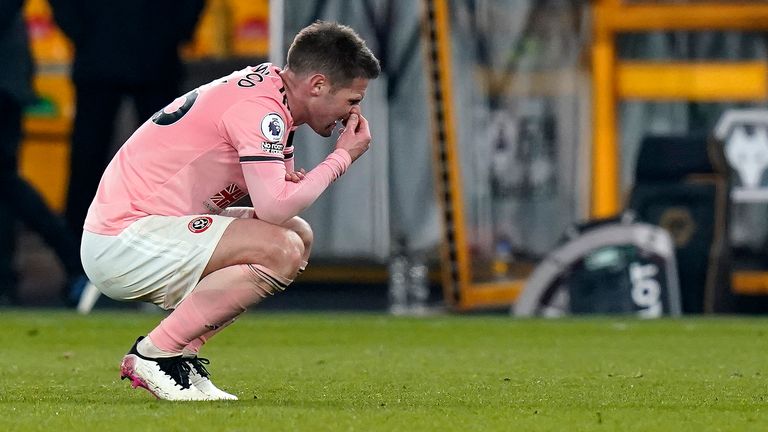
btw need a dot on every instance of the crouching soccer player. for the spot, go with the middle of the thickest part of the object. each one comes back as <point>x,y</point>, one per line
<point>160,228</point>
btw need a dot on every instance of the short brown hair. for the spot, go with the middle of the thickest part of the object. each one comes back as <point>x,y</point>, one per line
<point>333,50</point>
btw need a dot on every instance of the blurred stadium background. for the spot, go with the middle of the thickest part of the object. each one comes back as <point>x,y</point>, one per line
<point>497,124</point>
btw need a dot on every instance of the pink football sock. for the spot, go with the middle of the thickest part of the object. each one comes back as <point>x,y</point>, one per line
<point>193,348</point>
<point>216,300</point>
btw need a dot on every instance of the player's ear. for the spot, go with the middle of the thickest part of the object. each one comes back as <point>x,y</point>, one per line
<point>318,84</point>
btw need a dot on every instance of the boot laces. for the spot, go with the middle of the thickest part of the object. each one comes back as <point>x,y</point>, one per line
<point>199,364</point>
<point>177,369</point>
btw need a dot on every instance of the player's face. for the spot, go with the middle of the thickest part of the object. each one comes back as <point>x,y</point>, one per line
<point>336,104</point>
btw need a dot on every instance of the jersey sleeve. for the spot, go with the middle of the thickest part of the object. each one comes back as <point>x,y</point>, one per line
<point>256,129</point>
<point>257,132</point>
<point>276,200</point>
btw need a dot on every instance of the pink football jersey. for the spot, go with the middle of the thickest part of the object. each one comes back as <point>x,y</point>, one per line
<point>208,149</point>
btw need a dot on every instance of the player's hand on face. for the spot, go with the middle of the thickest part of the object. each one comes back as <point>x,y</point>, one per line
<point>354,110</point>
<point>295,176</point>
<point>356,137</point>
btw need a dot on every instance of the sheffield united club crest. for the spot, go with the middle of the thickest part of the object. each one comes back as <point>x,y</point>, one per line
<point>200,224</point>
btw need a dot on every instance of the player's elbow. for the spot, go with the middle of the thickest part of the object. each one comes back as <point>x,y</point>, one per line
<point>274,215</point>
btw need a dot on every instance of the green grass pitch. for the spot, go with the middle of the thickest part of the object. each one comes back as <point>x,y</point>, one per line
<point>358,372</point>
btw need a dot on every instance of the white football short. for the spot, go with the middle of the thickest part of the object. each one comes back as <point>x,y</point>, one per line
<point>157,259</point>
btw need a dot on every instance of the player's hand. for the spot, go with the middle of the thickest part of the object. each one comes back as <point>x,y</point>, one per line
<point>356,137</point>
<point>295,176</point>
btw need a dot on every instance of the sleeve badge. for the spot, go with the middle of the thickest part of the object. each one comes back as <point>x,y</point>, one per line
<point>273,127</point>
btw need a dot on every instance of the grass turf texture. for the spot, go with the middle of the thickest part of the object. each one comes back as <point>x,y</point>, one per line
<point>59,372</point>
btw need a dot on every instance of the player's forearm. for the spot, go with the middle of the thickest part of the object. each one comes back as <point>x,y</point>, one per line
<point>276,200</point>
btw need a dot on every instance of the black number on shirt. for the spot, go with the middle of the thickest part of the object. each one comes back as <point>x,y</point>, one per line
<point>163,118</point>
<point>250,80</point>
<point>255,77</point>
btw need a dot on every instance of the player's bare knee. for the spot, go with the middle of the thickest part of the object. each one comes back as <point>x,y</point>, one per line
<point>302,228</point>
<point>294,252</point>
<point>285,254</point>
